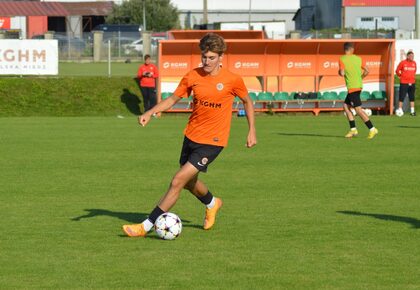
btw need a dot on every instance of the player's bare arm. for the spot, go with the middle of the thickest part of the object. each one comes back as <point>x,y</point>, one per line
<point>365,72</point>
<point>162,106</point>
<point>252,134</point>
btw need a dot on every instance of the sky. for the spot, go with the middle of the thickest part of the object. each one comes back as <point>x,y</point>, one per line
<point>237,4</point>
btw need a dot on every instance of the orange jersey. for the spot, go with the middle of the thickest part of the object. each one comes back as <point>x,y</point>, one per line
<point>406,71</point>
<point>150,80</point>
<point>213,96</point>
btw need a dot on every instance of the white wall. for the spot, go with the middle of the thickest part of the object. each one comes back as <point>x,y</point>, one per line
<point>74,26</point>
<point>224,11</point>
<point>405,15</point>
<point>274,30</point>
<point>19,22</point>
<point>404,46</point>
<point>237,4</point>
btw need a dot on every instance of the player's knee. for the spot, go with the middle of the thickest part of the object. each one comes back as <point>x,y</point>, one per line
<point>177,182</point>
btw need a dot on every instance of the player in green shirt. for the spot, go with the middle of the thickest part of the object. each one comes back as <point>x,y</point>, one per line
<point>353,71</point>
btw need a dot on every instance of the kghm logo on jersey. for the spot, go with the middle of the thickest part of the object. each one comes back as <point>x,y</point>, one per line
<point>219,86</point>
<point>207,104</point>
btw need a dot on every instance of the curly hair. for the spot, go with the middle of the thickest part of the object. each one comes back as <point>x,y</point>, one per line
<point>212,42</point>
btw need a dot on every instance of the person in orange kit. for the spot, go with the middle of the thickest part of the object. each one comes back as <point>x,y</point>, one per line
<point>147,74</point>
<point>406,71</point>
<point>214,89</point>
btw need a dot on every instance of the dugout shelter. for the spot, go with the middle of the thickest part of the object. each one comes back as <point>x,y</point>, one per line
<point>285,75</point>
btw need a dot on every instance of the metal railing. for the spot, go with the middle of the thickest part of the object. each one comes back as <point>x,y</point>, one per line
<point>368,34</point>
<point>122,46</point>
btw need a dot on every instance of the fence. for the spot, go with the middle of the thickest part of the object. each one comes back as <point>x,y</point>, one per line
<point>368,34</point>
<point>122,46</point>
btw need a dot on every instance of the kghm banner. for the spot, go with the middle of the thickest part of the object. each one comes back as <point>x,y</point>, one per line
<point>28,57</point>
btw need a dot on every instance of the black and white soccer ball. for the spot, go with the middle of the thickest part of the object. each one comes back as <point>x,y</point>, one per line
<point>399,112</point>
<point>168,226</point>
<point>368,112</point>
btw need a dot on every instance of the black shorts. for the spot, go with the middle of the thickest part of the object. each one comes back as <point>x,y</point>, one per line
<point>409,89</point>
<point>353,99</point>
<point>199,155</point>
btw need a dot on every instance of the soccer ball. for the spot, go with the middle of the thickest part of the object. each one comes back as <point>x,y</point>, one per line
<point>368,112</point>
<point>168,226</point>
<point>353,111</point>
<point>399,112</point>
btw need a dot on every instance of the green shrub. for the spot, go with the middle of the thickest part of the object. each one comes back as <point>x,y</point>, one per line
<point>69,96</point>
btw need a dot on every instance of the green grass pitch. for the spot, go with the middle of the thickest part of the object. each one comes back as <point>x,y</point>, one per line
<point>98,69</point>
<point>304,209</point>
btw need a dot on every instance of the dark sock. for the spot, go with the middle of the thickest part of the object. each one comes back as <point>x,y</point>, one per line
<point>352,124</point>
<point>156,212</point>
<point>207,198</point>
<point>369,124</point>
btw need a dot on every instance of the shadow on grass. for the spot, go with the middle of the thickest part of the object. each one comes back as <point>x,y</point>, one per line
<point>149,236</point>
<point>409,127</point>
<point>131,101</point>
<point>130,217</point>
<point>310,135</point>
<point>415,223</point>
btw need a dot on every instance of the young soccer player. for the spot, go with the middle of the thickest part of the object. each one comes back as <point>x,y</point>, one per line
<point>406,71</point>
<point>353,71</point>
<point>207,131</point>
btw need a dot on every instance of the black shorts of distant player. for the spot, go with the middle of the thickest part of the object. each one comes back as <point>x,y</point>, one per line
<point>409,89</point>
<point>353,99</point>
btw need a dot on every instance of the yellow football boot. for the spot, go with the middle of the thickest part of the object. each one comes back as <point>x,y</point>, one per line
<point>372,133</point>
<point>352,133</point>
<point>136,230</point>
<point>211,214</point>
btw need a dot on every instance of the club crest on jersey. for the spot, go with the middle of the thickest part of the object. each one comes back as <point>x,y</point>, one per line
<point>219,86</point>
<point>203,162</point>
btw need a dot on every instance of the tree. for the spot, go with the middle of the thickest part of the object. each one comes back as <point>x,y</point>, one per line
<point>161,15</point>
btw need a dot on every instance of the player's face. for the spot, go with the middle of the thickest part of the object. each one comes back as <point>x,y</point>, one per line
<point>211,62</point>
<point>410,56</point>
